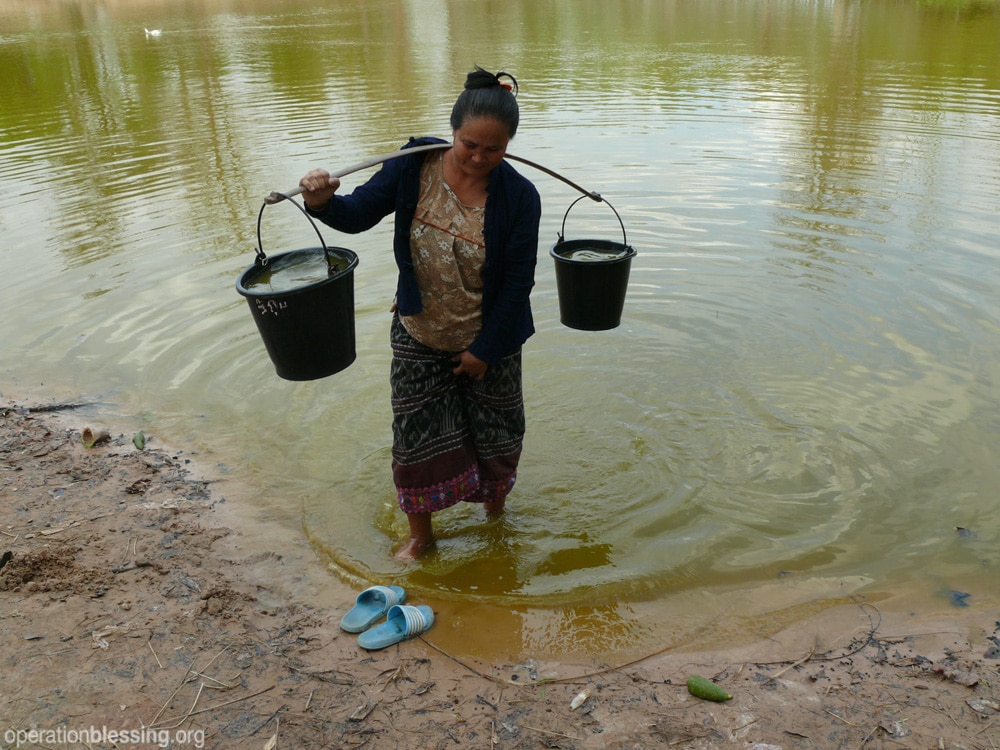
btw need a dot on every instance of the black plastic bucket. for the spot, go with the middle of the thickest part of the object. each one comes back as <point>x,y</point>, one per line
<point>308,330</point>
<point>592,278</point>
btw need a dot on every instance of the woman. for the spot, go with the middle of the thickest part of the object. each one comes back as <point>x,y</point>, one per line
<point>466,243</point>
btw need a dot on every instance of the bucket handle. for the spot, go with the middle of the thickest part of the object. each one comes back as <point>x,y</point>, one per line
<point>603,200</point>
<point>261,258</point>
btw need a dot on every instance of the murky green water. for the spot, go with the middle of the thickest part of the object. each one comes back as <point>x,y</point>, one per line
<point>802,399</point>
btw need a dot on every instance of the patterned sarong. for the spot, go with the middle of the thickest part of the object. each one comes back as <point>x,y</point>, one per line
<point>453,438</point>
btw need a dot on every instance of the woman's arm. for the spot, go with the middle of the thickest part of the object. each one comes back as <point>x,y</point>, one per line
<point>361,209</point>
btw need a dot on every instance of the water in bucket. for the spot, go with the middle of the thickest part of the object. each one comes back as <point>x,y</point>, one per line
<point>295,270</point>
<point>594,254</point>
<point>303,304</point>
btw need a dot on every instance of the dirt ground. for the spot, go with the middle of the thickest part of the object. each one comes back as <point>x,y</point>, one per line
<point>135,612</point>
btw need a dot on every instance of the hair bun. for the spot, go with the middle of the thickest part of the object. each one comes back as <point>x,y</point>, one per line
<point>480,78</point>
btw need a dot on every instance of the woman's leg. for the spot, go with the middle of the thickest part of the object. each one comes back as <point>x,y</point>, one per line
<point>433,462</point>
<point>494,508</point>
<point>495,410</point>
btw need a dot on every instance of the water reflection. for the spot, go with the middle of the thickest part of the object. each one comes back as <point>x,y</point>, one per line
<point>801,393</point>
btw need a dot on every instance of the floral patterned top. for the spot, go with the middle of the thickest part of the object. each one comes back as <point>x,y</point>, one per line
<point>446,243</point>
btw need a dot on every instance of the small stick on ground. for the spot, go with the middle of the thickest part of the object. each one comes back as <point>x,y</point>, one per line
<point>554,734</point>
<point>64,406</point>
<point>182,683</point>
<point>163,708</point>
<point>790,667</point>
<point>272,717</point>
<point>272,744</point>
<point>362,711</point>
<point>841,718</point>
<point>221,685</point>
<point>868,736</point>
<point>185,717</point>
<point>206,709</point>
<point>150,644</point>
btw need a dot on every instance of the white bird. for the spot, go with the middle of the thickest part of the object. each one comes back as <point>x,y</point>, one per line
<point>152,32</point>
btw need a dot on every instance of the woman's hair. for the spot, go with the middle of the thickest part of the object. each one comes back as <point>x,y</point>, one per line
<point>485,95</point>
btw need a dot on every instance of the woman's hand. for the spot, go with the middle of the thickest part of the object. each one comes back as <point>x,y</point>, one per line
<point>469,364</point>
<point>318,187</point>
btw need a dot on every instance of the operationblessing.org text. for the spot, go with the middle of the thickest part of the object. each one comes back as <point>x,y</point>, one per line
<point>12,738</point>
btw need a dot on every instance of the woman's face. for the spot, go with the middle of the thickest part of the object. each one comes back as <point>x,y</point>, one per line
<point>479,145</point>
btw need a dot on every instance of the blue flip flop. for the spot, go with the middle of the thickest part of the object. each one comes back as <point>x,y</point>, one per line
<point>370,606</point>
<point>403,622</point>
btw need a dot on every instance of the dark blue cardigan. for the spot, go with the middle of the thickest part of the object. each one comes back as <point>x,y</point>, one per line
<point>513,212</point>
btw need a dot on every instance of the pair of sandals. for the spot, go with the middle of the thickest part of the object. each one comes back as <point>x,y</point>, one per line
<point>403,621</point>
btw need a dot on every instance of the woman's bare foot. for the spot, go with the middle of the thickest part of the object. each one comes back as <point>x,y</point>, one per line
<point>413,549</point>
<point>421,537</point>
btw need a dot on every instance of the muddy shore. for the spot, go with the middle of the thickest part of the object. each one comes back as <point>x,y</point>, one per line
<point>137,601</point>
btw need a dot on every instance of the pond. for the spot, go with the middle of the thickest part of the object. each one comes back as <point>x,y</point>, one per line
<point>800,404</point>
